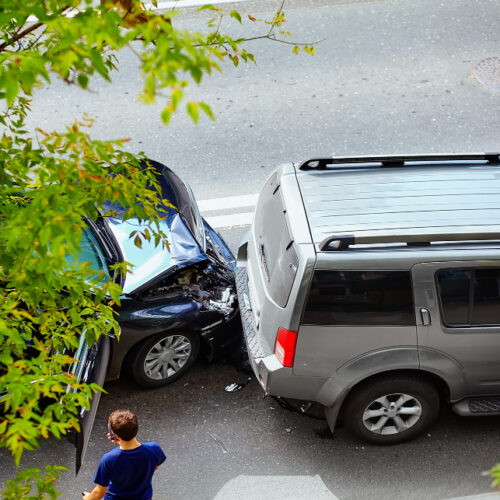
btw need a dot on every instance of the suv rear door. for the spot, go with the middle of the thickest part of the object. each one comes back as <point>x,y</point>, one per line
<point>361,317</point>
<point>458,323</point>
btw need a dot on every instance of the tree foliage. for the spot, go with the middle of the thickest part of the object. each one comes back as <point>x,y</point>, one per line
<point>494,473</point>
<point>51,182</point>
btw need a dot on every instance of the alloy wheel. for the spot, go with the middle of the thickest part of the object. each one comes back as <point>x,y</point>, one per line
<point>167,357</point>
<point>392,413</point>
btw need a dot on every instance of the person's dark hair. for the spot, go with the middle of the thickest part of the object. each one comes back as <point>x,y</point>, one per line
<point>124,424</point>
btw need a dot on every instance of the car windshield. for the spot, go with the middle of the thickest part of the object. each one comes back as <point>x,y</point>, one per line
<point>91,252</point>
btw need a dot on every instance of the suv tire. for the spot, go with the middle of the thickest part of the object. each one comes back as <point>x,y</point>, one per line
<point>391,410</point>
<point>163,358</point>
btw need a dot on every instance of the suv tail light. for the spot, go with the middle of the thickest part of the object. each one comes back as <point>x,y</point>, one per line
<point>284,349</point>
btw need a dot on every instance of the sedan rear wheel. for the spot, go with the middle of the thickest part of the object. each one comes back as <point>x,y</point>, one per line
<point>164,358</point>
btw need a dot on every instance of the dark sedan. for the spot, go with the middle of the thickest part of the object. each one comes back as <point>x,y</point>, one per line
<point>178,300</point>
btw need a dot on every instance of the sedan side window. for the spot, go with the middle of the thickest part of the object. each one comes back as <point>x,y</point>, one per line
<point>469,297</point>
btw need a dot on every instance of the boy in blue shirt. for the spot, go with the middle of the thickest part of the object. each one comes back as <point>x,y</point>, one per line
<point>125,472</point>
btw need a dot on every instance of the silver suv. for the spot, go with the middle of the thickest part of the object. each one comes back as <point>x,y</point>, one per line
<point>371,285</point>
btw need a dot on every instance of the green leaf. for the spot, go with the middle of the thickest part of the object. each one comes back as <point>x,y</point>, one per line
<point>193,111</point>
<point>176,97</point>
<point>207,110</point>
<point>11,90</point>
<point>83,80</point>
<point>235,15</point>
<point>207,7</point>
<point>97,60</point>
<point>166,115</point>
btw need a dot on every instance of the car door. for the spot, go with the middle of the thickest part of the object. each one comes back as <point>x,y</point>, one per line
<point>90,367</point>
<point>357,323</point>
<point>458,324</point>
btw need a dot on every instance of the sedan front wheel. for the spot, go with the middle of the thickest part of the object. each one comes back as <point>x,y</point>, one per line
<point>164,358</point>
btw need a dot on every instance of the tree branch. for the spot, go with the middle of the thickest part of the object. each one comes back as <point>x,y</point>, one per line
<point>20,35</point>
<point>280,10</point>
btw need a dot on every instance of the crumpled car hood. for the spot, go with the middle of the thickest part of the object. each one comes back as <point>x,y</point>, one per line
<point>152,263</point>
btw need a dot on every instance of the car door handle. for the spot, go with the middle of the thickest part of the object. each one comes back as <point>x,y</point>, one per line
<point>425,315</point>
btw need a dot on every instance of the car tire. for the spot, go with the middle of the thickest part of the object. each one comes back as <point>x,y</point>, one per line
<point>163,358</point>
<point>391,410</point>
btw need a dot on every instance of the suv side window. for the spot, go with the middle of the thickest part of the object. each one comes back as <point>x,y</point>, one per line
<point>469,297</point>
<point>369,298</point>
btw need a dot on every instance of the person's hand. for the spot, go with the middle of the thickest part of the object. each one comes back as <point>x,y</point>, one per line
<point>85,494</point>
<point>112,439</point>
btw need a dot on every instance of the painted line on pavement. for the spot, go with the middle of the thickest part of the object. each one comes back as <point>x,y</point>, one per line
<point>232,220</point>
<point>211,210</point>
<point>247,200</point>
<point>272,487</point>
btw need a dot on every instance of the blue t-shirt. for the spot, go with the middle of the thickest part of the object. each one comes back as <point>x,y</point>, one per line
<point>128,473</point>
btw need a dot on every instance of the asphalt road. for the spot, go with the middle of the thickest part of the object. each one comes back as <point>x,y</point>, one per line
<point>390,77</point>
<point>224,446</point>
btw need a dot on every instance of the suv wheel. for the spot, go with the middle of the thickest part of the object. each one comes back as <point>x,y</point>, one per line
<point>164,358</point>
<point>391,410</point>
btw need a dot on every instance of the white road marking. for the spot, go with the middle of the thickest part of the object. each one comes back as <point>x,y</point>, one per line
<point>296,488</point>
<point>232,220</point>
<point>272,487</point>
<point>247,200</point>
<point>211,210</point>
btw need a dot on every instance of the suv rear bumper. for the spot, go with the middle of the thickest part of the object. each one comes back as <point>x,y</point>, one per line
<point>275,379</point>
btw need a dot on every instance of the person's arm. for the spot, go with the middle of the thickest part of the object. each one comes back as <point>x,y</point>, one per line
<point>96,494</point>
<point>160,455</point>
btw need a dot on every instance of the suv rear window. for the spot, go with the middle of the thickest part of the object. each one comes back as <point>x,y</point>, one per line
<point>278,259</point>
<point>469,297</point>
<point>360,298</point>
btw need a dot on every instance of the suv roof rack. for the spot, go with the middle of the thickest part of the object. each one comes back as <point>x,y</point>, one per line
<point>342,242</point>
<point>398,160</point>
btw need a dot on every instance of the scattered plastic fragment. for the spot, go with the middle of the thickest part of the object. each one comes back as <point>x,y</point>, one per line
<point>237,386</point>
<point>305,406</point>
<point>219,441</point>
